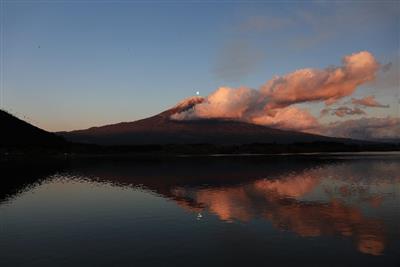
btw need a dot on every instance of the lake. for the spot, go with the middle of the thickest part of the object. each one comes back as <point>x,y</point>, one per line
<point>306,210</point>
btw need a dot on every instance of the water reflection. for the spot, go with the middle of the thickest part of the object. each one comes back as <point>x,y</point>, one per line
<point>324,199</point>
<point>19,177</point>
<point>305,218</point>
<point>320,201</point>
<point>352,199</point>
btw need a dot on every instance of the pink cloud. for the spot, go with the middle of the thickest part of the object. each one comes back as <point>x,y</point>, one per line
<point>329,85</point>
<point>273,104</point>
<point>368,101</point>
<point>289,118</point>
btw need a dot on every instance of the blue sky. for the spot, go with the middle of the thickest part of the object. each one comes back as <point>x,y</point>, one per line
<point>76,64</point>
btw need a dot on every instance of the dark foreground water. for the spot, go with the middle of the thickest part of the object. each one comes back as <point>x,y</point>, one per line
<point>202,211</point>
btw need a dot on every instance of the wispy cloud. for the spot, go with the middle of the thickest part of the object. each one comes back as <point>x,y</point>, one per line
<point>335,19</point>
<point>260,23</point>
<point>368,101</point>
<point>238,59</point>
<point>365,128</point>
<point>343,111</point>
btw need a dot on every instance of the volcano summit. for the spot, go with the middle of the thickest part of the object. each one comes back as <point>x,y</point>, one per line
<point>163,129</point>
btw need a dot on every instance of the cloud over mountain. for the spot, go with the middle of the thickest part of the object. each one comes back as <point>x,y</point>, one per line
<point>274,103</point>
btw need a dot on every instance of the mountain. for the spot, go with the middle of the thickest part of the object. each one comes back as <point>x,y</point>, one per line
<point>18,133</point>
<point>161,129</point>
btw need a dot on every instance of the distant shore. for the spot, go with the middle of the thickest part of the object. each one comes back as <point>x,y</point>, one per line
<point>174,150</point>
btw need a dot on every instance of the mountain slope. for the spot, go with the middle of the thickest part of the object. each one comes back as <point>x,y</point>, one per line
<point>160,129</point>
<point>18,133</point>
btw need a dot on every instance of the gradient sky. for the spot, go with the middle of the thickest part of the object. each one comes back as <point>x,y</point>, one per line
<point>75,64</point>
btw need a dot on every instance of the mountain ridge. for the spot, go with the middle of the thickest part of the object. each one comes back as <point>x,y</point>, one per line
<point>162,129</point>
<point>16,132</point>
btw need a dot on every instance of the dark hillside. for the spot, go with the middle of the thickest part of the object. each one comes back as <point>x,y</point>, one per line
<point>16,133</point>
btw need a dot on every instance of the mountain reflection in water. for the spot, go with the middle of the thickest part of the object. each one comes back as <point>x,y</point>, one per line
<point>279,203</point>
<point>354,199</point>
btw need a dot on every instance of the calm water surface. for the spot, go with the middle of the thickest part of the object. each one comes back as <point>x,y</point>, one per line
<point>315,210</point>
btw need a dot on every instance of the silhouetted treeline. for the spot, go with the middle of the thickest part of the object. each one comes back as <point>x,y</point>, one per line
<point>255,148</point>
<point>66,149</point>
<point>201,149</point>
